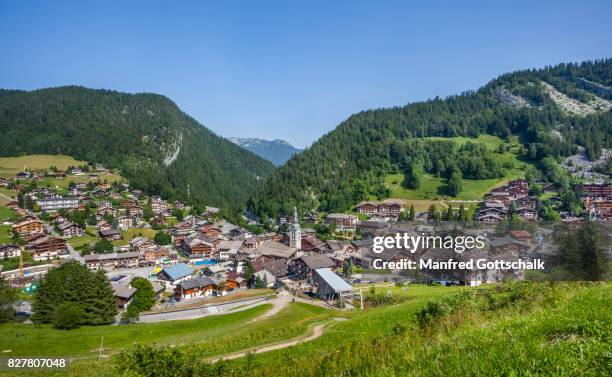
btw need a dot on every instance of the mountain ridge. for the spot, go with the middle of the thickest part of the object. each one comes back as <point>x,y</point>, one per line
<point>158,147</point>
<point>277,151</point>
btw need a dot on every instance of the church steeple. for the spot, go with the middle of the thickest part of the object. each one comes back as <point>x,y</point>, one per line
<point>295,232</point>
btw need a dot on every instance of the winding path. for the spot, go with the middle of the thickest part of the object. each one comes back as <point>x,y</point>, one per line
<point>317,331</point>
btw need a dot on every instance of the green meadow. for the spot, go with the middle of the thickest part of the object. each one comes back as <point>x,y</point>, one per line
<point>429,189</point>
<point>525,329</point>
<point>516,329</point>
<point>9,166</point>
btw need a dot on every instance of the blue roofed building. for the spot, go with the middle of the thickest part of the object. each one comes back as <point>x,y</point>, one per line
<point>175,274</point>
<point>330,286</point>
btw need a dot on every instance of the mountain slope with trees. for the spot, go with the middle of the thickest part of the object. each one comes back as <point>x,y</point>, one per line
<point>350,163</point>
<point>157,147</point>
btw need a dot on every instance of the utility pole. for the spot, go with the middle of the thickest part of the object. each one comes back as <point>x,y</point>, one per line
<point>101,347</point>
<point>21,265</point>
<point>361,298</point>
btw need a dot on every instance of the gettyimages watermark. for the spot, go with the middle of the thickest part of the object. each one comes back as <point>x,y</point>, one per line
<point>456,244</point>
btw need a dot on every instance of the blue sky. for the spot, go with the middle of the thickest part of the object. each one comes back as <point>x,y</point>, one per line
<point>290,70</point>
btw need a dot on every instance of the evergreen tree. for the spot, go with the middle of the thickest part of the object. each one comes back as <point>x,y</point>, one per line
<point>462,215</point>
<point>455,183</point>
<point>249,272</point>
<point>449,215</point>
<point>74,283</point>
<point>162,238</point>
<point>8,297</point>
<point>583,252</point>
<point>412,214</point>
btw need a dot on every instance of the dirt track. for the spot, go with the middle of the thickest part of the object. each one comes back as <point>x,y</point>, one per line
<point>317,331</point>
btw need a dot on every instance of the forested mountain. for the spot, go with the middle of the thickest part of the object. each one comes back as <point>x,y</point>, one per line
<point>276,151</point>
<point>553,110</point>
<point>159,148</point>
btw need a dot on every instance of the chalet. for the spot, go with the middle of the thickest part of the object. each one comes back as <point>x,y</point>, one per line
<point>209,230</point>
<point>158,205</point>
<point>215,271</point>
<point>492,212</point>
<point>157,255</point>
<point>124,222</point>
<point>277,268</point>
<point>389,207</point>
<point>188,223</point>
<point>22,175</point>
<point>597,191</point>
<point>508,244</point>
<point>58,218</point>
<point>175,274</point>
<point>310,243</point>
<point>233,280</point>
<point>48,247</point>
<point>227,248</point>
<point>276,250</point>
<point>303,267</point>
<point>527,213</point>
<point>141,244</point>
<point>68,229</point>
<point>106,211</point>
<point>103,225</point>
<point>28,227</point>
<point>196,247</point>
<point>525,202</point>
<point>105,205</point>
<point>112,260</point>
<point>57,202</point>
<point>342,220</point>
<point>123,294</point>
<point>202,286</point>
<point>210,211</point>
<point>10,251</point>
<point>110,235</point>
<point>522,236</point>
<point>253,243</point>
<point>134,210</point>
<point>336,247</point>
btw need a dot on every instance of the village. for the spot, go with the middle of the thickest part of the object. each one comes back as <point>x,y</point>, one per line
<point>196,258</point>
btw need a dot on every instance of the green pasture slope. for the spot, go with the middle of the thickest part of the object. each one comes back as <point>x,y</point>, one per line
<point>527,329</point>
<point>472,189</point>
<point>518,329</point>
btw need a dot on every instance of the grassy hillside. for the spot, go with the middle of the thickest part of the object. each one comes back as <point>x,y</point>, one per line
<point>473,189</point>
<point>9,166</point>
<point>524,329</point>
<point>146,136</point>
<point>542,329</point>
